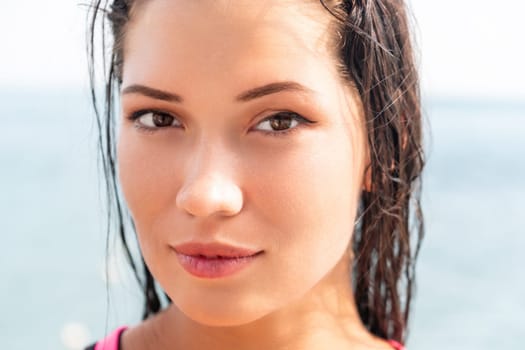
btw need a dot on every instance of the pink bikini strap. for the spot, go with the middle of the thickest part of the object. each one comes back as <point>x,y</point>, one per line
<point>112,341</point>
<point>396,345</point>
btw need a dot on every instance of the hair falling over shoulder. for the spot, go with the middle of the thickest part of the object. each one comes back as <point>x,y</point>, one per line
<point>376,56</point>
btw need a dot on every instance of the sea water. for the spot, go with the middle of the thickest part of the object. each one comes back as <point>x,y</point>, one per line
<point>53,291</point>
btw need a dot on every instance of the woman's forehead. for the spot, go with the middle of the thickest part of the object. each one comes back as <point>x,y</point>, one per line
<point>203,41</point>
<point>218,27</point>
<point>247,9</point>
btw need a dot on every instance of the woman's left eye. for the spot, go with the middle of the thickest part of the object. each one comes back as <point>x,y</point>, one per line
<point>151,120</point>
<point>281,122</point>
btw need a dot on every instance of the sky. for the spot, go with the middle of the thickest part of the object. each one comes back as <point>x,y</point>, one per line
<point>467,48</point>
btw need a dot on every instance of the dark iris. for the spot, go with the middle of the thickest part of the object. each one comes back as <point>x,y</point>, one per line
<point>282,121</point>
<point>162,120</point>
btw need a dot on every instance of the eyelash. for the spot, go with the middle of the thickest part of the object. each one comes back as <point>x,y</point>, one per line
<point>135,116</point>
<point>296,117</point>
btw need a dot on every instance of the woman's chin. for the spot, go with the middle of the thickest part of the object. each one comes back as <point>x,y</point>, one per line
<point>222,317</point>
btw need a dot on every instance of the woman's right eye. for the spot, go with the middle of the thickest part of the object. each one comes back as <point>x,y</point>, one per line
<point>154,120</point>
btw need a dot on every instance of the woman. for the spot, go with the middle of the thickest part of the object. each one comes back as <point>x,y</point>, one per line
<point>269,153</point>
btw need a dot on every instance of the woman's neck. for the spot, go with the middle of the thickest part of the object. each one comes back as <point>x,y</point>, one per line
<point>324,318</point>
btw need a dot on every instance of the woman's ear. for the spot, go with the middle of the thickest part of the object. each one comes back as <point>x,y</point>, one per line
<point>367,177</point>
<point>403,137</point>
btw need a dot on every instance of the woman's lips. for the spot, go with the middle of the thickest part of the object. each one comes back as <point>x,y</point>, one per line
<point>213,260</point>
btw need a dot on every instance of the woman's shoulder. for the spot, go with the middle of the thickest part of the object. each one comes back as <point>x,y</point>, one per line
<point>111,342</point>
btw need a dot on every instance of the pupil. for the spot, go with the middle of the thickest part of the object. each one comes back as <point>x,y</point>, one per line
<point>162,119</point>
<point>281,123</point>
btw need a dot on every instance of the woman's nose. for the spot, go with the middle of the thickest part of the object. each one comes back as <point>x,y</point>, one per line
<point>208,191</point>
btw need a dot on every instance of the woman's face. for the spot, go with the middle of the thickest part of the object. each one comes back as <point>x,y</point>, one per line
<point>277,169</point>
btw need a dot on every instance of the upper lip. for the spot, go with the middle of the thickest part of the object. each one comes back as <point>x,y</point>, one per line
<point>213,249</point>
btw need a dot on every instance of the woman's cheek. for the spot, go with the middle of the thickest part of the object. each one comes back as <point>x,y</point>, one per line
<point>144,176</point>
<point>307,192</point>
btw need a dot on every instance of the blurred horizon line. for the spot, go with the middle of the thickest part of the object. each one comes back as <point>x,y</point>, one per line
<point>453,101</point>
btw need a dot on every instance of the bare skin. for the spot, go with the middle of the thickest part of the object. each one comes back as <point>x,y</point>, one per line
<point>221,172</point>
<point>323,319</point>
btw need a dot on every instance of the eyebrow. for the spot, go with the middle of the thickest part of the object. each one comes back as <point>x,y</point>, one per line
<point>252,94</point>
<point>272,88</point>
<point>151,92</point>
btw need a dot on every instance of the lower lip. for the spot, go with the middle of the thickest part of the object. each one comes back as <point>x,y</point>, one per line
<point>203,267</point>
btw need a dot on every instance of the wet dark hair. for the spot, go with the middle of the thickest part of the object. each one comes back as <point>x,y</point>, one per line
<point>376,56</point>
